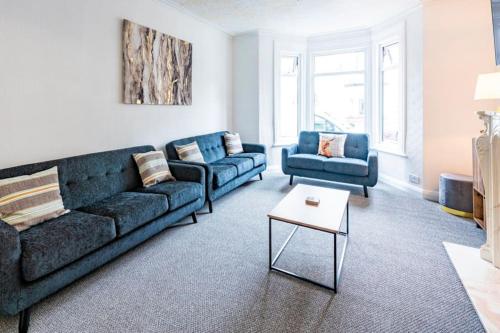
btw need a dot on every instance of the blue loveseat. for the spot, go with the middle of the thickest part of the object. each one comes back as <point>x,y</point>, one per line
<point>359,167</point>
<point>110,213</point>
<point>223,173</point>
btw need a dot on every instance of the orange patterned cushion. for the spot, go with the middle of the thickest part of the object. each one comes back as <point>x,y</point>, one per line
<point>332,145</point>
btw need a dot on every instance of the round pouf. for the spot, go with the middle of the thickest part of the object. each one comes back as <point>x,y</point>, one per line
<point>455,194</point>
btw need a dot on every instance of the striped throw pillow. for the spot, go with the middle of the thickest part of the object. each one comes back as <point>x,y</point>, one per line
<point>153,168</point>
<point>332,145</point>
<point>233,143</point>
<point>190,152</point>
<point>26,201</point>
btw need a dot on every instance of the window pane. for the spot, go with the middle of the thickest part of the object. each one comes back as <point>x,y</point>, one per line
<point>344,62</point>
<point>390,55</point>
<point>339,102</point>
<point>289,88</point>
<point>391,106</point>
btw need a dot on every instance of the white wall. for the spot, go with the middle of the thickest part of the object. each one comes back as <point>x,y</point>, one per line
<point>458,45</point>
<point>246,86</point>
<point>61,79</point>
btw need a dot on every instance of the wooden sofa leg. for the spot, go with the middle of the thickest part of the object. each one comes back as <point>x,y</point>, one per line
<point>193,215</point>
<point>291,180</point>
<point>210,207</point>
<point>260,176</point>
<point>24,320</point>
<point>365,189</point>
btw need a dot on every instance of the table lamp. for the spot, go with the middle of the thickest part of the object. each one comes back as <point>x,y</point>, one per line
<point>488,87</point>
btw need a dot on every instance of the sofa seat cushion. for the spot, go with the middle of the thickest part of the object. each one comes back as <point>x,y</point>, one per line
<point>347,166</point>
<point>178,193</point>
<point>60,241</point>
<point>307,161</point>
<point>130,210</point>
<point>223,174</point>
<point>243,165</point>
<point>257,158</point>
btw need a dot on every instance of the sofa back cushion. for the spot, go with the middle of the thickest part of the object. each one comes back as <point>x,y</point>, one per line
<point>212,146</point>
<point>90,178</point>
<point>356,145</point>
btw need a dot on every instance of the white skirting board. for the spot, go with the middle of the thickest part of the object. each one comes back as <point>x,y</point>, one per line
<point>481,281</point>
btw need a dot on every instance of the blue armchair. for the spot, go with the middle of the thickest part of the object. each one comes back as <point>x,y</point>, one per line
<point>359,167</point>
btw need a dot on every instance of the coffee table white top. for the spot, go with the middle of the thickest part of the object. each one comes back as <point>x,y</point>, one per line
<point>327,216</point>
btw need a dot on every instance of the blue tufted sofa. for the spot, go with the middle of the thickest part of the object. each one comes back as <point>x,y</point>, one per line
<point>360,165</point>
<point>110,213</point>
<point>223,173</point>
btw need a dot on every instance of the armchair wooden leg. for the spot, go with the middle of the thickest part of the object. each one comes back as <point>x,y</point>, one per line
<point>260,176</point>
<point>24,320</point>
<point>365,189</point>
<point>210,207</point>
<point>291,180</point>
<point>193,215</point>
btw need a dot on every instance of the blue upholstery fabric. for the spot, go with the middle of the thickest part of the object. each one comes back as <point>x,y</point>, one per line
<point>257,158</point>
<point>243,165</point>
<point>130,210</point>
<point>53,244</point>
<point>87,179</point>
<point>307,161</point>
<point>356,145</point>
<point>223,174</point>
<point>219,179</point>
<point>30,293</point>
<point>84,181</point>
<point>212,146</point>
<point>179,193</point>
<point>346,166</point>
<point>360,166</point>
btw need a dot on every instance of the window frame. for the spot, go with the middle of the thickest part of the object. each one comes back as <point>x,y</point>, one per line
<point>278,54</point>
<point>395,35</point>
<point>312,76</point>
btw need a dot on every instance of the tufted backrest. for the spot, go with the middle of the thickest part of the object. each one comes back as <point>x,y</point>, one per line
<point>356,145</point>
<point>212,146</point>
<point>90,178</point>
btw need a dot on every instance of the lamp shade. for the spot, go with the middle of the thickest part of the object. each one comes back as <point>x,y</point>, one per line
<point>488,86</point>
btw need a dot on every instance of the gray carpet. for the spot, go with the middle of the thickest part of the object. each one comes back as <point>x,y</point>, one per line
<point>213,277</point>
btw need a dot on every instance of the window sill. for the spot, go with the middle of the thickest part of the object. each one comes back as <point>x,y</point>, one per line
<point>391,151</point>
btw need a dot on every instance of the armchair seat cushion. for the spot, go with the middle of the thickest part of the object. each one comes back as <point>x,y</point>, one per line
<point>346,166</point>
<point>60,241</point>
<point>307,161</point>
<point>243,165</point>
<point>179,193</point>
<point>130,210</point>
<point>223,174</point>
<point>257,158</point>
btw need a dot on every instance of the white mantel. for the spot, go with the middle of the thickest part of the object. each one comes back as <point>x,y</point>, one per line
<point>488,149</point>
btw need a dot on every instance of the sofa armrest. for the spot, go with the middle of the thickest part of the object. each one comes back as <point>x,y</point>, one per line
<point>10,258</point>
<point>186,172</point>
<point>286,152</point>
<point>209,173</point>
<point>373,164</point>
<point>254,148</point>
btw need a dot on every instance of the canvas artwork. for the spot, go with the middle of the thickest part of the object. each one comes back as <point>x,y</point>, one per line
<point>156,67</point>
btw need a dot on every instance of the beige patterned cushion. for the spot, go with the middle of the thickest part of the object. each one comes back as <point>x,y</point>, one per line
<point>29,200</point>
<point>190,152</point>
<point>153,168</point>
<point>332,145</point>
<point>233,143</point>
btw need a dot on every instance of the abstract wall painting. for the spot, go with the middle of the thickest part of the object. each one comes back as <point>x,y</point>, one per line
<point>157,68</point>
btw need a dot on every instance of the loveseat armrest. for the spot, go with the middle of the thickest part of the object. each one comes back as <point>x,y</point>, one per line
<point>10,258</point>
<point>372,160</point>
<point>286,152</point>
<point>187,172</point>
<point>254,148</point>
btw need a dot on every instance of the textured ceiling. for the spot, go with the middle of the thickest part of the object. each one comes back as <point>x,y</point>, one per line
<point>301,17</point>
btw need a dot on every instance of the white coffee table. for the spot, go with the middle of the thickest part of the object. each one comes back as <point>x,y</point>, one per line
<point>326,217</point>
